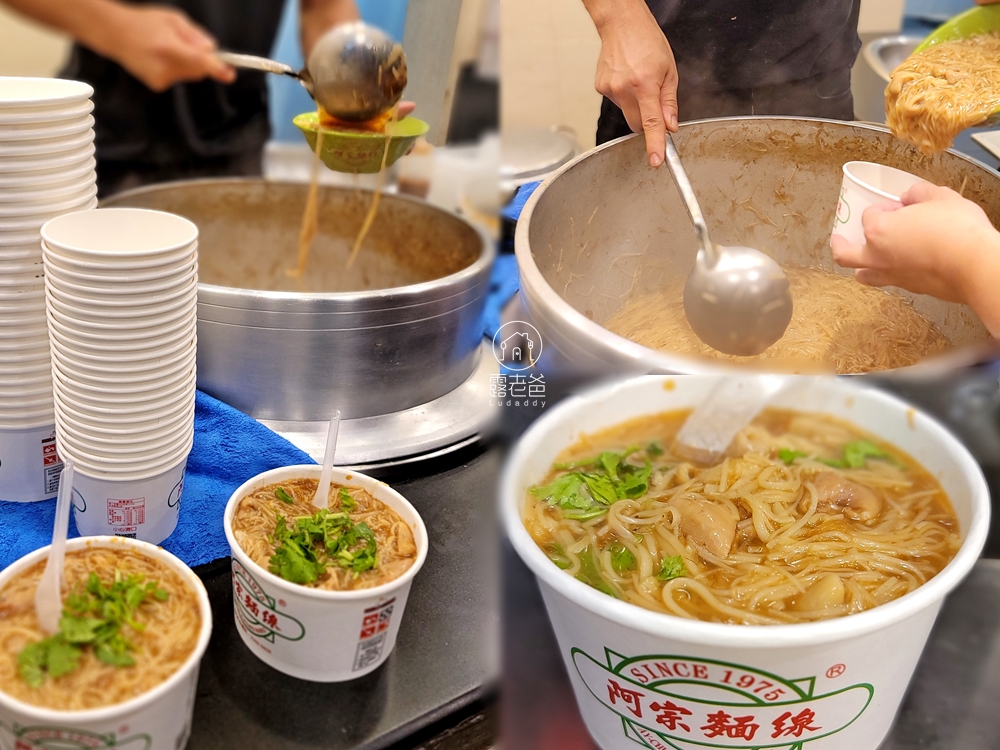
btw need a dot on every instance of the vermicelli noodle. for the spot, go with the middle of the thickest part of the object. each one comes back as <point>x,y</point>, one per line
<point>937,93</point>
<point>170,633</point>
<point>807,518</point>
<point>837,324</point>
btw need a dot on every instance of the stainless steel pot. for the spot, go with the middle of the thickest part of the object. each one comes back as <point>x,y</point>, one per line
<point>608,227</point>
<point>399,329</point>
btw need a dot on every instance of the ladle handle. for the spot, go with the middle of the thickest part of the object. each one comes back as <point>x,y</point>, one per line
<point>690,202</point>
<point>253,62</point>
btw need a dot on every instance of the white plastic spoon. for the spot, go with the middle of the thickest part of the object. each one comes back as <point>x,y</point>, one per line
<point>322,497</point>
<point>731,406</point>
<point>48,596</point>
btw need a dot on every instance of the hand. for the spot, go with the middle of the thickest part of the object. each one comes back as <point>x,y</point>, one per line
<point>162,46</point>
<point>935,242</point>
<point>406,108</point>
<point>636,70</point>
<point>987,2</point>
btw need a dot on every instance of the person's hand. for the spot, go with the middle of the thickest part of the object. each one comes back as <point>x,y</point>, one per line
<point>936,243</point>
<point>406,108</point>
<point>636,70</point>
<point>162,46</point>
<point>987,2</point>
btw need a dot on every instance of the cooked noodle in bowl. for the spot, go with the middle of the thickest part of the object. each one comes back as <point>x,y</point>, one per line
<point>827,537</point>
<point>301,573</point>
<point>137,672</point>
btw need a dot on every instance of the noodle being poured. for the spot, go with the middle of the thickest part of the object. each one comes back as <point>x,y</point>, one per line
<point>807,518</point>
<point>273,513</point>
<point>170,630</point>
<point>837,324</point>
<point>936,94</point>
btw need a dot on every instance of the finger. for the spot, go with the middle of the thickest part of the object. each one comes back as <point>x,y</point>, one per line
<point>654,128</point>
<point>218,70</point>
<point>920,193</point>
<point>847,254</point>
<point>668,104</point>
<point>195,35</point>
<point>406,108</point>
<point>873,277</point>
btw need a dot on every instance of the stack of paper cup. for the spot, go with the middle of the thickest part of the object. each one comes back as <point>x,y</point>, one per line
<point>121,297</point>
<point>46,169</point>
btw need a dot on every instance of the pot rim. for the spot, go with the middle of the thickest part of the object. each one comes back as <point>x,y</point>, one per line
<point>743,636</point>
<point>224,296</point>
<point>589,332</point>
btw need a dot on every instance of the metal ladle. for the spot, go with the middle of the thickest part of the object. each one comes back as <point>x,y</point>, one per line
<point>736,299</point>
<point>355,72</point>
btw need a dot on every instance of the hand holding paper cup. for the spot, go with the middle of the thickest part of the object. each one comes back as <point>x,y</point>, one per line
<point>867,184</point>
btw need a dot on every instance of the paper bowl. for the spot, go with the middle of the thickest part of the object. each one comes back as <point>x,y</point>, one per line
<point>357,151</point>
<point>11,133</point>
<point>120,458</point>
<point>29,467</point>
<point>289,627</point>
<point>114,380</point>
<point>128,291</point>
<point>118,317</point>
<point>63,160</point>
<point>85,337</point>
<point>111,278</point>
<point>57,192</point>
<point>849,672</point>
<point>30,92</point>
<point>47,202</point>
<point>867,184</point>
<point>88,322</point>
<point>158,718</point>
<point>123,266</point>
<point>43,147</point>
<point>161,398</point>
<point>119,233</point>
<point>41,114</point>
<point>158,476</point>
<point>117,441</point>
<point>34,180</point>
<point>135,423</point>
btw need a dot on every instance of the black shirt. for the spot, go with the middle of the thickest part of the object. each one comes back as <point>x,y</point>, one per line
<point>190,120</point>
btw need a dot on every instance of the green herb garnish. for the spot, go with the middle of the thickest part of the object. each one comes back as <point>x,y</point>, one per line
<point>788,455</point>
<point>556,555</point>
<point>856,455</point>
<point>316,542</point>
<point>586,494</point>
<point>591,576</point>
<point>654,449</point>
<point>283,496</point>
<point>622,559</point>
<point>93,615</point>
<point>672,567</point>
<point>346,501</point>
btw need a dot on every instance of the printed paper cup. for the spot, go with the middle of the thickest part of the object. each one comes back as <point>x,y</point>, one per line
<point>315,635</point>
<point>145,508</point>
<point>867,184</point>
<point>669,682</point>
<point>158,718</point>
<point>29,464</point>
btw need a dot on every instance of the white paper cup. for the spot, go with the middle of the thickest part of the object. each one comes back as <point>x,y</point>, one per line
<point>85,321</point>
<point>34,222</point>
<point>119,233</point>
<point>113,380</point>
<point>127,301</point>
<point>33,116</point>
<point>39,178</point>
<point>46,202</point>
<point>867,184</point>
<point>848,674</point>
<point>122,266</point>
<point>131,424</point>
<point>25,91</point>
<point>111,459</point>
<point>57,191</point>
<point>289,627</point>
<point>81,308</point>
<point>161,332</point>
<point>56,129</point>
<point>134,471</point>
<point>171,285</point>
<point>167,400</point>
<point>45,146</point>
<point>110,278</point>
<point>129,355</point>
<point>29,464</point>
<point>125,442</point>
<point>158,718</point>
<point>52,162</point>
<point>14,370</point>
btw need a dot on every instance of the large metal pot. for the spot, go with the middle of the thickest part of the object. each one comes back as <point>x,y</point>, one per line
<point>399,329</point>
<point>608,227</point>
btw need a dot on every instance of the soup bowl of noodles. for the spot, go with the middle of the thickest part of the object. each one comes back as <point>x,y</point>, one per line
<point>123,668</point>
<point>319,593</point>
<point>778,595</point>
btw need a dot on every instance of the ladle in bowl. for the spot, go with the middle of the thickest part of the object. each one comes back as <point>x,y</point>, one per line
<point>322,497</point>
<point>355,72</point>
<point>736,299</point>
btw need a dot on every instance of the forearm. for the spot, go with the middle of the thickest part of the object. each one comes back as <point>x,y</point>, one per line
<point>612,14</point>
<point>317,16</point>
<point>92,23</point>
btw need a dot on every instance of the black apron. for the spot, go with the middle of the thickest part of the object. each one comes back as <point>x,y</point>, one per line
<point>191,127</point>
<point>755,57</point>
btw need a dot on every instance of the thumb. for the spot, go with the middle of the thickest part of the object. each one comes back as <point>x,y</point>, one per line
<point>920,193</point>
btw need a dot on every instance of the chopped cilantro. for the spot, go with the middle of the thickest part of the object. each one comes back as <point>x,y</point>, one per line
<point>788,455</point>
<point>654,449</point>
<point>346,501</point>
<point>591,576</point>
<point>856,455</point>
<point>622,559</point>
<point>586,494</point>
<point>94,616</point>
<point>556,555</point>
<point>283,496</point>
<point>304,552</point>
<point>672,567</point>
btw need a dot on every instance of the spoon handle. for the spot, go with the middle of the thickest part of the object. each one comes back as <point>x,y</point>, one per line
<point>690,201</point>
<point>253,62</point>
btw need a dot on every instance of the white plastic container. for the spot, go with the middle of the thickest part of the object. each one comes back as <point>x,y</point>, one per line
<point>867,184</point>
<point>29,463</point>
<point>313,634</point>
<point>657,680</point>
<point>159,719</point>
<point>144,508</point>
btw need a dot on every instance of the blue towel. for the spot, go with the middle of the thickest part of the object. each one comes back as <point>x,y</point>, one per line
<point>513,209</point>
<point>229,448</point>
<point>504,283</point>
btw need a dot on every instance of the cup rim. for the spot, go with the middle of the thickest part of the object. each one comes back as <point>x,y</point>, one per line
<point>50,233</point>
<point>52,144</point>
<point>117,398</point>
<point>703,633</point>
<point>123,287</point>
<point>115,459</point>
<point>43,209</point>
<point>106,435</point>
<point>124,324</point>
<point>146,469</point>
<point>341,476</point>
<point>120,346</point>
<point>12,132</point>
<point>70,354</point>
<point>89,336</point>
<point>81,277</point>
<point>124,266</point>
<point>67,187</point>
<point>111,315</point>
<point>862,184</point>
<point>71,91</point>
<point>106,713</point>
<point>47,174</point>
<point>34,115</point>
<point>117,378</point>
<point>65,159</point>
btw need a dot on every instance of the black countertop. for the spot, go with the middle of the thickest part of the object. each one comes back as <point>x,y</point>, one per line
<point>441,669</point>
